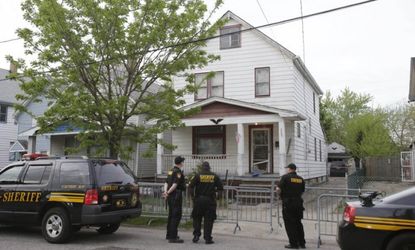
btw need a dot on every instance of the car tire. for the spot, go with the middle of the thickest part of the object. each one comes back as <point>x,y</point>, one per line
<point>56,226</point>
<point>108,228</point>
<point>401,240</point>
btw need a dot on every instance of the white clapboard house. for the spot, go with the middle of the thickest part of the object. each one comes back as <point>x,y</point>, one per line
<point>259,112</point>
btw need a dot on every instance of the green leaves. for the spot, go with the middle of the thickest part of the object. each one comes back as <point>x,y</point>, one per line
<point>349,120</point>
<point>103,63</point>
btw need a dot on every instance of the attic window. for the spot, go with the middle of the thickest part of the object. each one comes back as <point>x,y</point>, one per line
<point>233,40</point>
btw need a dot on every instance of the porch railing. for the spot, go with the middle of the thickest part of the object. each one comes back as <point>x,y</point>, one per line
<point>218,163</point>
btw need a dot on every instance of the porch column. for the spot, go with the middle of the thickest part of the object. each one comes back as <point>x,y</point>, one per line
<point>241,144</point>
<point>160,151</point>
<point>282,150</point>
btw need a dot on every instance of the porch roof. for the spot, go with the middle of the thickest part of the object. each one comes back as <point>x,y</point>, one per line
<point>283,113</point>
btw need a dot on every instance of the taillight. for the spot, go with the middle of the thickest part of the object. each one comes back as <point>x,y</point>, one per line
<point>91,197</point>
<point>349,214</point>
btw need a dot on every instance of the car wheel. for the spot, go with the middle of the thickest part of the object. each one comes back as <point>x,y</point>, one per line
<point>404,241</point>
<point>56,227</point>
<point>108,228</point>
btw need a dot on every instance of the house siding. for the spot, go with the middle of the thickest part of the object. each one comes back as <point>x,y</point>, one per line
<point>288,90</point>
<point>8,134</point>
<point>239,71</point>
<point>26,122</point>
<point>304,147</point>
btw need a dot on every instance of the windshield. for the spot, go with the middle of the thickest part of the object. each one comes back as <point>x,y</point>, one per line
<point>406,197</point>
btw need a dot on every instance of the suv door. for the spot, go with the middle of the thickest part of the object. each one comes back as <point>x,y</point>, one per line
<point>32,191</point>
<point>117,185</point>
<point>9,178</point>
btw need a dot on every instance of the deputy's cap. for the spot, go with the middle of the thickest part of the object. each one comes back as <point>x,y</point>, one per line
<point>206,165</point>
<point>178,160</point>
<point>291,166</point>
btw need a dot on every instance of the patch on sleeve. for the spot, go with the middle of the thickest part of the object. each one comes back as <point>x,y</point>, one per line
<point>170,173</point>
<point>296,180</point>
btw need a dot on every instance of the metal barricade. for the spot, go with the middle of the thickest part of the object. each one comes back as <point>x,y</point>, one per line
<point>234,204</point>
<point>329,213</point>
<point>255,204</point>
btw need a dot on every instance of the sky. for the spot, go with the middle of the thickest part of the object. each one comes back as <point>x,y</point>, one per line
<point>366,48</point>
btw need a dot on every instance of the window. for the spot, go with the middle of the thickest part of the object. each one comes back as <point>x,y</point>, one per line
<point>113,173</point>
<point>232,40</point>
<point>209,140</point>
<point>319,142</point>
<point>11,175</point>
<point>262,82</point>
<point>37,175</point>
<point>3,113</point>
<point>314,102</point>
<point>298,130</point>
<point>74,174</point>
<point>209,87</point>
<point>315,149</point>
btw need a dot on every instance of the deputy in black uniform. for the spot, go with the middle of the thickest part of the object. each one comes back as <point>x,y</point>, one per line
<point>174,187</point>
<point>291,187</point>
<point>203,188</point>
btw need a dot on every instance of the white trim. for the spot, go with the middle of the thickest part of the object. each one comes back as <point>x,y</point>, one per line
<point>281,112</point>
<point>250,119</point>
<point>30,132</point>
<point>63,133</point>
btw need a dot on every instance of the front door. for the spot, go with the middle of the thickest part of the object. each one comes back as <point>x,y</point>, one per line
<point>261,150</point>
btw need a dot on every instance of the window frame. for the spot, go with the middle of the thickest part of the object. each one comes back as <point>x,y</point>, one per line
<point>195,137</point>
<point>314,102</point>
<point>222,36</point>
<point>209,85</point>
<point>269,81</point>
<point>320,150</point>
<point>315,149</point>
<point>45,170</point>
<point>3,114</point>
<point>19,176</point>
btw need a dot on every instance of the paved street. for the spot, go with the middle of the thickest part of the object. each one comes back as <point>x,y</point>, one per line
<point>134,238</point>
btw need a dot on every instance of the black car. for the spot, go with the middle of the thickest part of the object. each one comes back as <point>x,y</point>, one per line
<point>386,224</point>
<point>62,195</point>
<point>338,169</point>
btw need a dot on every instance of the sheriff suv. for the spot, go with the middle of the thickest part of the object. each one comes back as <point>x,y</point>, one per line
<point>388,223</point>
<point>63,194</point>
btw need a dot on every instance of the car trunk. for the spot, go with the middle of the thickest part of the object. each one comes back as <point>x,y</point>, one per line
<point>117,186</point>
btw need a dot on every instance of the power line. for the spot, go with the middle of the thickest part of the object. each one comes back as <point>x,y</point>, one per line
<point>10,40</point>
<point>302,17</point>
<point>262,10</point>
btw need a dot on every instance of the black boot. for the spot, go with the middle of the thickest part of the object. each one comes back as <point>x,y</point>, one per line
<point>208,242</point>
<point>195,239</point>
<point>176,241</point>
<point>291,246</point>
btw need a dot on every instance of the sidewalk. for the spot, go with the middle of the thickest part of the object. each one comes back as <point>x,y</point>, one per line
<point>262,231</point>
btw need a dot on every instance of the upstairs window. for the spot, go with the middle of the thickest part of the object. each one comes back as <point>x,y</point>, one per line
<point>3,113</point>
<point>262,82</point>
<point>209,87</point>
<point>233,40</point>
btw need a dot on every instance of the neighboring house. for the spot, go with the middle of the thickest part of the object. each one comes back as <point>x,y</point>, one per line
<point>8,125</point>
<point>337,152</point>
<point>259,111</point>
<point>27,127</point>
